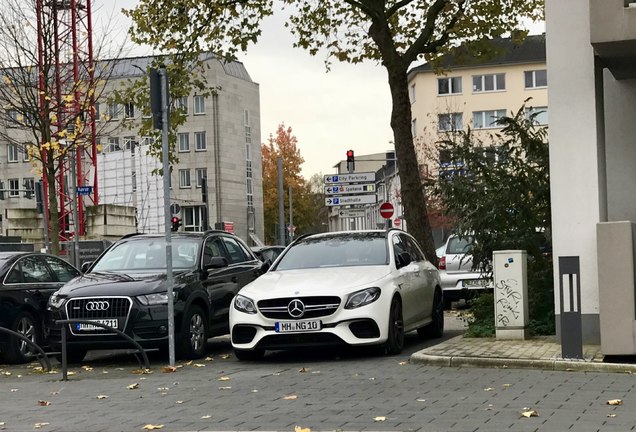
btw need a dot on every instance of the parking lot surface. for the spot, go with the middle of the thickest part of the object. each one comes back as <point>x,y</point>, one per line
<point>320,390</point>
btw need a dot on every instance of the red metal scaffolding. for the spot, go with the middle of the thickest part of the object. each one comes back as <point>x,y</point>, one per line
<point>67,84</point>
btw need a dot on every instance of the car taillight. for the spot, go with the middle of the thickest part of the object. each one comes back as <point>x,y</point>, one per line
<point>442,263</point>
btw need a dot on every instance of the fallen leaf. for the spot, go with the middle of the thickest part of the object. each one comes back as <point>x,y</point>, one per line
<point>276,374</point>
<point>198,365</point>
<point>224,378</point>
<point>225,356</point>
<point>290,397</point>
<point>179,402</point>
<point>153,427</point>
<point>371,379</point>
<point>134,386</point>
<point>163,388</point>
<point>54,393</point>
<point>206,416</point>
<point>209,358</point>
<point>303,370</point>
<point>254,391</point>
<point>102,397</point>
<point>225,388</point>
<point>6,373</point>
<point>506,385</point>
<point>168,369</point>
<point>611,415</point>
<point>87,368</point>
<point>14,390</point>
<point>40,425</point>
<point>301,429</point>
<point>119,368</point>
<point>70,373</point>
<point>530,413</point>
<point>420,400</point>
<point>615,402</point>
<point>105,372</point>
<point>402,363</point>
<point>44,403</point>
<point>316,372</point>
<point>379,419</point>
<point>188,363</point>
<point>19,376</point>
<point>489,389</point>
<point>141,371</point>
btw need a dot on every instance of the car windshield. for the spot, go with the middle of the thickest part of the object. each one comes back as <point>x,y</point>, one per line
<point>459,245</point>
<point>148,254</point>
<point>353,249</point>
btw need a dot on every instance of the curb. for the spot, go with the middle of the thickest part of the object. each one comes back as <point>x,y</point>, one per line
<point>504,363</point>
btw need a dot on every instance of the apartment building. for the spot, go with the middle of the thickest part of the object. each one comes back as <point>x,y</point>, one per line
<point>475,93</point>
<point>219,143</point>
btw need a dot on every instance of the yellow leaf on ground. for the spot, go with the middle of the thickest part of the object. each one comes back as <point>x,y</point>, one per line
<point>206,416</point>
<point>489,389</point>
<point>224,378</point>
<point>102,397</point>
<point>225,356</point>
<point>290,397</point>
<point>198,365</point>
<point>611,415</point>
<point>506,385</point>
<point>530,413</point>
<point>41,425</point>
<point>141,371</point>
<point>153,427</point>
<point>225,388</point>
<point>168,369</point>
<point>14,390</point>
<point>179,402</point>
<point>301,429</point>
<point>379,418</point>
<point>402,363</point>
<point>615,402</point>
<point>87,368</point>
<point>303,370</point>
<point>44,403</point>
<point>134,386</point>
<point>209,358</point>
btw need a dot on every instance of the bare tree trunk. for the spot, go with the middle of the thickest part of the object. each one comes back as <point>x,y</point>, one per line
<point>54,214</point>
<point>413,196</point>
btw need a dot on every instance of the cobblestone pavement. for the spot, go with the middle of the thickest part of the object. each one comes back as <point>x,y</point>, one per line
<point>323,390</point>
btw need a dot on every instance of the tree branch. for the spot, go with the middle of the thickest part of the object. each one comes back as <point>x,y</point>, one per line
<point>420,44</point>
<point>393,9</point>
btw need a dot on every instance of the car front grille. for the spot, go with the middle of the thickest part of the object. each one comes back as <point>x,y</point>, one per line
<point>98,308</point>
<point>314,307</point>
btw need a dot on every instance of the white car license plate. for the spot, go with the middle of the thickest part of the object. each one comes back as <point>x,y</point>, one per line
<point>475,283</point>
<point>297,326</point>
<point>90,327</point>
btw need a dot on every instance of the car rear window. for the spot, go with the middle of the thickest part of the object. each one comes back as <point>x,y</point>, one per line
<point>336,251</point>
<point>459,245</point>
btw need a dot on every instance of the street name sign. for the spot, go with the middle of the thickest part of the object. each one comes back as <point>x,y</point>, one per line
<point>350,178</point>
<point>84,190</point>
<point>353,213</point>
<point>351,200</point>
<point>349,188</point>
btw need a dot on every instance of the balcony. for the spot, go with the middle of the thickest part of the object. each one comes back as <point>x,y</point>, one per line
<point>613,35</point>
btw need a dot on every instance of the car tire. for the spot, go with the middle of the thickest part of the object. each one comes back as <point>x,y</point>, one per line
<point>18,351</point>
<point>249,355</point>
<point>395,338</point>
<point>194,334</point>
<point>435,329</point>
<point>73,355</point>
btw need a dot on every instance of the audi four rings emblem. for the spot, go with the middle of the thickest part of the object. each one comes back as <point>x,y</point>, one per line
<point>97,305</point>
<point>296,308</point>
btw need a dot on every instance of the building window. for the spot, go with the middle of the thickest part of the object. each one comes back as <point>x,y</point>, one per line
<point>97,112</point>
<point>130,143</point>
<point>412,93</point>
<point>12,153</point>
<point>488,83</point>
<point>201,173</point>
<point>14,187</point>
<point>184,142</point>
<point>536,78</point>
<point>134,181</point>
<point>184,178</point>
<point>147,141</point>
<point>129,110</point>
<point>451,85</point>
<point>450,122</point>
<point>29,185</point>
<point>12,118</point>
<point>26,157</point>
<point>538,115</point>
<point>199,104</point>
<point>113,111</point>
<point>193,218</point>
<point>199,140</point>
<point>487,119</point>
<point>113,145</point>
<point>182,104</point>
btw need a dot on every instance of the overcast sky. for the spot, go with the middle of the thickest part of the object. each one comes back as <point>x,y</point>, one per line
<point>346,108</point>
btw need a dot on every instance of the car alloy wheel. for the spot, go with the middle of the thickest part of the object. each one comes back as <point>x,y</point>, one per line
<point>436,327</point>
<point>19,351</point>
<point>197,335</point>
<point>395,340</point>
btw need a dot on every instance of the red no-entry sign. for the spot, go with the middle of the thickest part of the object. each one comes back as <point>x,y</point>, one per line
<point>386,210</point>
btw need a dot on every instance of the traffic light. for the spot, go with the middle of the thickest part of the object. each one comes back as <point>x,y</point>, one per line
<point>351,163</point>
<point>176,223</point>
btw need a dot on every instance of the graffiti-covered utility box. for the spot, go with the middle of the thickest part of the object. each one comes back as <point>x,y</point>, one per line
<point>511,294</point>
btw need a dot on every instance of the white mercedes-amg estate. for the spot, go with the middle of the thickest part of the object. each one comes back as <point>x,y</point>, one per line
<point>340,288</point>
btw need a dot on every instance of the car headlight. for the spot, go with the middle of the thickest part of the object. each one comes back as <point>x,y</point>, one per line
<point>362,297</point>
<point>56,301</point>
<point>153,299</point>
<point>244,304</point>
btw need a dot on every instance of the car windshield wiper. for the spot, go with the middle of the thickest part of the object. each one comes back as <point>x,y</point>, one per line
<point>120,276</point>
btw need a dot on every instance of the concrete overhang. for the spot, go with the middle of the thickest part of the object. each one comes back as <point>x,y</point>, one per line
<point>613,35</point>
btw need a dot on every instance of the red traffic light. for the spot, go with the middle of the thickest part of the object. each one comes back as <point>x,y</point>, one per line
<point>175,219</point>
<point>349,154</point>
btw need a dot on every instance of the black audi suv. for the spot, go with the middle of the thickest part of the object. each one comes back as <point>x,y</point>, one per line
<point>125,288</point>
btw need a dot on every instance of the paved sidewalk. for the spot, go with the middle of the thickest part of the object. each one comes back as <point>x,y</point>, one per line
<point>537,353</point>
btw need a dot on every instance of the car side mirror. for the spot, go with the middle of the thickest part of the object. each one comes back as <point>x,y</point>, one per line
<point>215,262</point>
<point>85,266</point>
<point>403,259</point>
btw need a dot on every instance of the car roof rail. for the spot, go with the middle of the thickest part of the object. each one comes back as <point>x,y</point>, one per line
<point>125,236</point>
